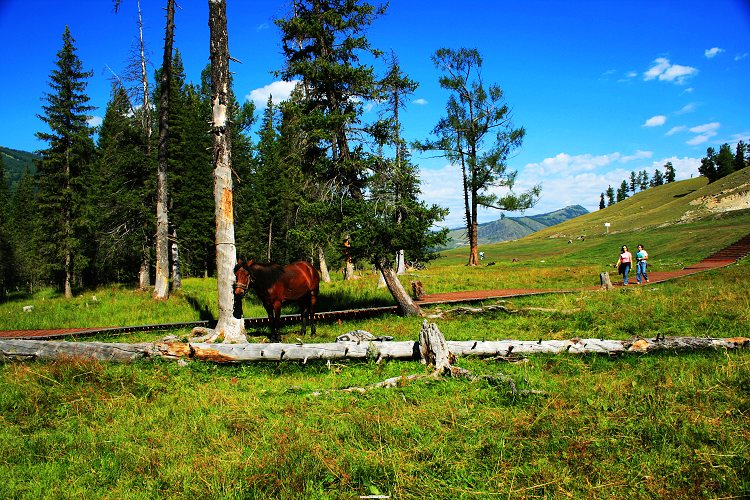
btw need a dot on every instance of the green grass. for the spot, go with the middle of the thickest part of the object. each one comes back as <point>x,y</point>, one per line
<point>669,425</point>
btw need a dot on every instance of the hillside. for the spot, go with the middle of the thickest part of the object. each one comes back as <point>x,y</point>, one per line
<point>512,228</point>
<point>678,202</point>
<point>16,163</point>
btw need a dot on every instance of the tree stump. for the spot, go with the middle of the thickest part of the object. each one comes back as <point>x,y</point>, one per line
<point>417,289</point>
<point>605,281</point>
<point>434,349</point>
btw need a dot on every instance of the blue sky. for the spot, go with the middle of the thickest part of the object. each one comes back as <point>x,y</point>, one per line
<point>602,87</point>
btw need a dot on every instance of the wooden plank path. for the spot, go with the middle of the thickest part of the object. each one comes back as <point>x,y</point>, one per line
<point>722,258</point>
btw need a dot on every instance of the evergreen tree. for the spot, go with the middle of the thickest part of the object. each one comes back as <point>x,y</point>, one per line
<point>739,156</point>
<point>63,168</point>
<point>123,196</point>
<point>477,133</point>
<point>669,173</point>
<point>633,182</point>
<point>601,202</point>
<point>324,43</point>
<point>24,233</point>
<point>643,180</point>
<point>724,161</point>
<point>7,259</point>
<point>708,165</point>
<point>622,192</point>
<point>191,207</point>
<point>657,179</point>
<point>610,196</point>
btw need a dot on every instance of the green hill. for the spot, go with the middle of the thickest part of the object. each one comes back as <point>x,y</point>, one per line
<point>16,163</point>
<point>680,202</point>
<point>679,223</point>
<point>513,228</point>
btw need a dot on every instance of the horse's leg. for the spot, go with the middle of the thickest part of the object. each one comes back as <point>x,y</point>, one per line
<point>311,308</point>
<point>276,321</point>
<point>269,312</point>
<point>303,313</point>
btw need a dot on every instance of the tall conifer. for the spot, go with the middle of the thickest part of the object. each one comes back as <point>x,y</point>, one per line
<point>63,167</point>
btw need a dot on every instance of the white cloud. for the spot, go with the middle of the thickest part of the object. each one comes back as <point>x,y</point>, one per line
<point>420,101</point>
<point>94,121</point>
<point>663,70</point>
<point>566,180</point>
<point>707,127</point>
<point>742,56</point>
<point>713,52</point>
<point>655,121</point>
<point>705,133</point>
<point>687,108</point>
<point>675,130</point>
<point>279,90</point>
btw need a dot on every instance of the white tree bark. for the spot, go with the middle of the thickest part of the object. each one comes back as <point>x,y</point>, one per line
<point>20,350</point>
<point>324,276</point>
<point>229,329</point>
<point>161,280</point>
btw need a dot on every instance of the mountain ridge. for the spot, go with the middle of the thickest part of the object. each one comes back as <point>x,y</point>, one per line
<point>512,228</point>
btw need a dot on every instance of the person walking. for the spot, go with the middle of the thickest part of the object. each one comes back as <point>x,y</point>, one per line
<point>624,263</point>
<point>641,262</point>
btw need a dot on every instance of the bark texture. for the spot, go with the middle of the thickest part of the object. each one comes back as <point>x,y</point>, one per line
<point>161,284</point>
<point>229,329</point>
<point>21,350</point>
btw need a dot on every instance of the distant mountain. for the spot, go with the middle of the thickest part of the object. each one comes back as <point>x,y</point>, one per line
<point>512,228</point>
<point>16,163</point>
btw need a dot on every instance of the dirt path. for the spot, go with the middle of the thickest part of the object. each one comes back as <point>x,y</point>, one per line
<point>722,258</point>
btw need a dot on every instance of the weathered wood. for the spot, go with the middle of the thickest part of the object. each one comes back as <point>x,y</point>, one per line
<point>21,350</point>
<point>606,283</point>
<point>434,349</point>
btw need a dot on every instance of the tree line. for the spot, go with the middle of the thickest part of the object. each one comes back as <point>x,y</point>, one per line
<point>713,166</point>
<point>315,182</point>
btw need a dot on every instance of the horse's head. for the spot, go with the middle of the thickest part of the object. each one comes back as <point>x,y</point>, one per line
<point>243,277</point>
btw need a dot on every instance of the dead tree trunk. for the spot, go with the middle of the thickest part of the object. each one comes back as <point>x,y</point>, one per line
<point>161,289</point>
<point>324,276</point>
<point>144,275</point>
<point>405,303</point>
<point>605,281</point>
<point>229,329</point>
<point>176,274</point>
<point>29,350</point>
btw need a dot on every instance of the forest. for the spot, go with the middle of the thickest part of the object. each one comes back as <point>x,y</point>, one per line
<point>132,201</point>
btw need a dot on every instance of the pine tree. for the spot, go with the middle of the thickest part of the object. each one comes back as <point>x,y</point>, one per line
<point>739,156</point>
<point>601,202</point>
<point>724,161</point>
<point>633,182</point>
<point>708,165</point>
<point>669,173</point>
<point>622,191</point>
<point>324,43</point>
<point>64,166</point>
<point>477,133</point>
<point>643,180</point>
<point>123,194</point>
<point>657,179</point>
<point>610,196</point>
<point>7,258</point>
<point>24,232</point>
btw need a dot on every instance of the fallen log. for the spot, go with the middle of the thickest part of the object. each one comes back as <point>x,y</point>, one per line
<point>29,350</point>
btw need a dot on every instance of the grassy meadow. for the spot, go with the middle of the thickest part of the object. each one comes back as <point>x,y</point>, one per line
<point>669,425</point>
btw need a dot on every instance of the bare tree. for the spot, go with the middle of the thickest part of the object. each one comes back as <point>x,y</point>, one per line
<point>228,328</point>
<point>161,285</point>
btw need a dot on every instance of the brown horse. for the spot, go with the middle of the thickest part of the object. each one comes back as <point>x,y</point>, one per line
<point>274,285</point>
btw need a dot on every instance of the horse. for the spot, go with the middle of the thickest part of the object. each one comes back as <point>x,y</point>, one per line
<point>275,284</point>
